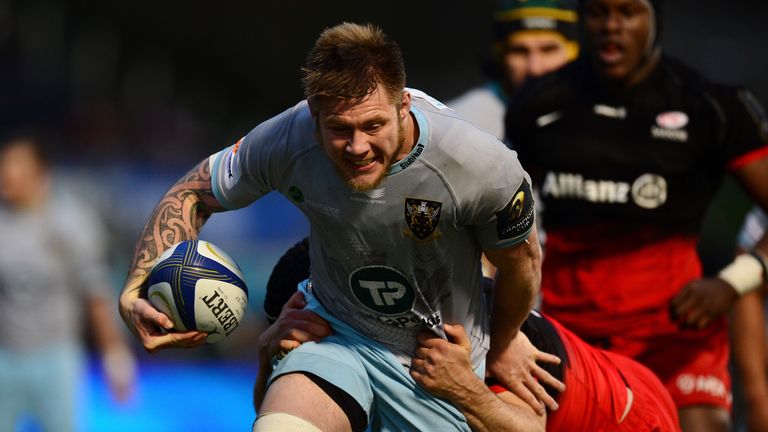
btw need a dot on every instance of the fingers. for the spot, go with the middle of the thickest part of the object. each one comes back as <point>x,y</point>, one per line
<point>681,297</point>
<point>144,313</point>
<point>307,321</point>
<point>296,301</point>
<point>545,377</point>
<point>681,303</point>
<point>547,358</point>
<point>427,338</point>
<point>524,393</point>
<point>191,339</point>
<point>541,395</point>
<point>456,334</point>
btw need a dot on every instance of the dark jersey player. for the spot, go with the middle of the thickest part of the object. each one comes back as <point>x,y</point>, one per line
<point>627,148</point>
<point>604,391</point>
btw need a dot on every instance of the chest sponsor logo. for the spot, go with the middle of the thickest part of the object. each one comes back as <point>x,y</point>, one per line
<point>610,111</point>
<point>323,208</point>
<point>669,126</point>
<point>382,290</point>
<point>517,217</point>
<point>422,217</point>
<point>648,191</point>
<point>672,120</point>
<point>375,196</point>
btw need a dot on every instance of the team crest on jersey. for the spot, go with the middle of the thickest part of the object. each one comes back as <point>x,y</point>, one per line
<point>422,217</point>
<point>516,218</point>
<point>670,126</point>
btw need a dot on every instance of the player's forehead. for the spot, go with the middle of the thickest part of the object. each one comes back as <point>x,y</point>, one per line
<point>19,151</point>
<point>375,105</point>
<point>535,39</point>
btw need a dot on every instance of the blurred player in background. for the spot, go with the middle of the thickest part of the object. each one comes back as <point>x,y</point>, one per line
<point>748,335</point>
<point>604,391</point>
<point>628,148</point>
<point>53,281</point>
<point>531,38</point>
<point>402,199</point>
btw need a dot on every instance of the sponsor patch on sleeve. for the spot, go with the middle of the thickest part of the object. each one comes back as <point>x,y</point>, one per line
<point>517,217</point>
<point>231,166</point>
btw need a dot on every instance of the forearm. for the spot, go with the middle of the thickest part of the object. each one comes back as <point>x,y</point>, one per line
<point>178,216</point>
<point>512,301</point>
<point>484,411</point>
<point>517,283</point>
<point>748,344</point>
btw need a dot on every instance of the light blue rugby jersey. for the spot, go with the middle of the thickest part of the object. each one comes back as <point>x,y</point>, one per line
<point>407,254</point>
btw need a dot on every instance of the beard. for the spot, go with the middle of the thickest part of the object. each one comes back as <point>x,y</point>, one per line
<point>359,185</point>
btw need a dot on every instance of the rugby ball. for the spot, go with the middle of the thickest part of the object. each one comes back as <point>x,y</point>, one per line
<point>199,287</point>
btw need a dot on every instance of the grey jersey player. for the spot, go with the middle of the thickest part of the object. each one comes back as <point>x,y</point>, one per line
<point>402,198</point>
<point>405,254</point>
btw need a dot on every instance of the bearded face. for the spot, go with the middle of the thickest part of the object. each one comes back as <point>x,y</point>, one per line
<point>363,139</point>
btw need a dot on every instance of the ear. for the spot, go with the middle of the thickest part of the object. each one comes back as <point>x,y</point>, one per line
<point>312,107</point>
<point>405,107</point>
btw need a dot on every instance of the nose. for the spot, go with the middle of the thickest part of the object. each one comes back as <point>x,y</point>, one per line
<point>536,65</point>
<point>357,144</point>
<point>611,22</point>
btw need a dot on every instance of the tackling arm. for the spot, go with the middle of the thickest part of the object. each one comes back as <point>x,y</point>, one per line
<point>510,359</point>
<point>518,278</point>
<point>178,216</point>
<point>747,323</point>
<point>443,368</point>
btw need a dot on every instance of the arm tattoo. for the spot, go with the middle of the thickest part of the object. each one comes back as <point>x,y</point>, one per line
<point>178,216</point>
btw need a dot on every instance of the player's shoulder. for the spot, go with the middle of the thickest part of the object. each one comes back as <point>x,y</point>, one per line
<point>454,145</point>
<point>477,97</point>
<point>728,100</point>
<point>288,133</point>
<point>690,79</point>
<point>444,126</point>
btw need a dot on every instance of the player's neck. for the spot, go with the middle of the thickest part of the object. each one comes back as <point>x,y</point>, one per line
<point>642,71</point>
<point>410,135</point>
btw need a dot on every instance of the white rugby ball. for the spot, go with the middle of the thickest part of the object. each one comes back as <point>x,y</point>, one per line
<point>199,287</point>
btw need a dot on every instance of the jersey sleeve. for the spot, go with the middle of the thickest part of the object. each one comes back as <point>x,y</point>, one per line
<point>252,167</point>
<point>746,134</point>
<point>502,211</point>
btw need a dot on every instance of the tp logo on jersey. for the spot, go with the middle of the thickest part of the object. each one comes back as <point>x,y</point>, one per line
<point>422,217</point>
<point>516,218</point>
<point>382,290</point>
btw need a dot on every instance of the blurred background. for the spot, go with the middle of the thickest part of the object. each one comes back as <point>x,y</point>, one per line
<point>132,93</point>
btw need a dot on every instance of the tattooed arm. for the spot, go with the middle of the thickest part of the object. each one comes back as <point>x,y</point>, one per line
<point>178,216</point>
